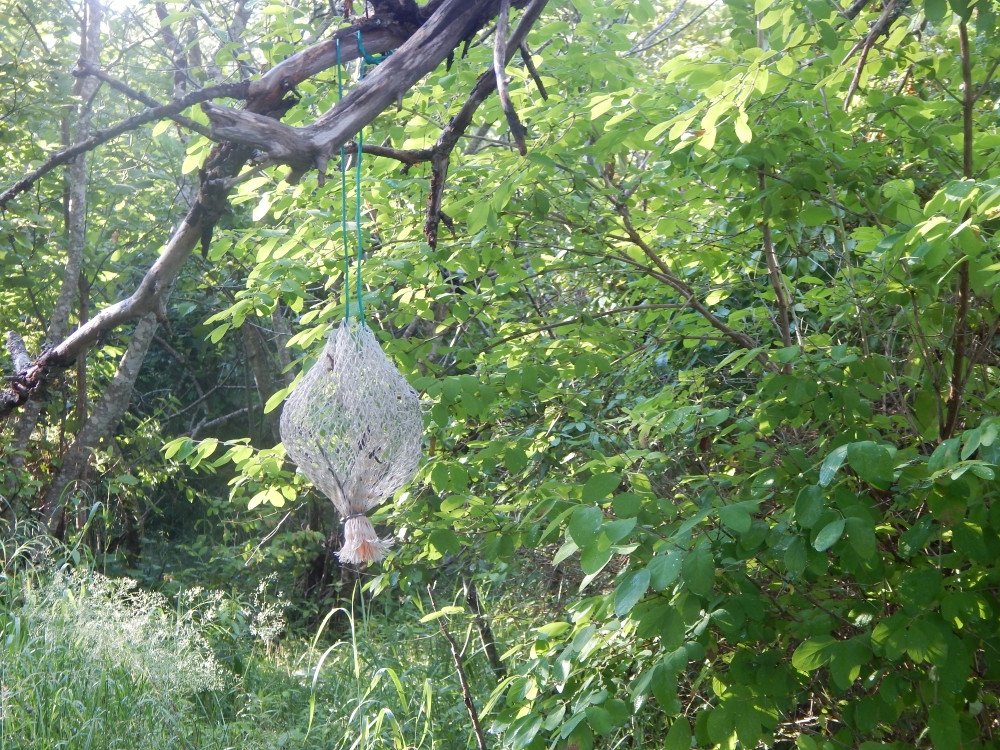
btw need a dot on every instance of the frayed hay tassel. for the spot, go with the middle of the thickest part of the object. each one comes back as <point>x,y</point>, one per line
<point>361,543</point>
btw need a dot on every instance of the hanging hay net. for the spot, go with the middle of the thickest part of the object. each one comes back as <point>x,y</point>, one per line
<point>354,427</point>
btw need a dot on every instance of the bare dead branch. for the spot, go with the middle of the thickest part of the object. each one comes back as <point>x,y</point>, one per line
<point>448,22</point>
<point>18,352</point>
<point>449,137</point>
<point>517,130</point>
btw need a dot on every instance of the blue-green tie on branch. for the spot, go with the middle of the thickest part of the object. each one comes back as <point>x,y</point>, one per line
<point>353,424</point>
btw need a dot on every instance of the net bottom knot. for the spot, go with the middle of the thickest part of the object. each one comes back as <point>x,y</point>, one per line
<point>361,543</point>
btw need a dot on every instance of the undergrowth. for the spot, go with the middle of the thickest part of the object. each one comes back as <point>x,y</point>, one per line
<point>89,662</point>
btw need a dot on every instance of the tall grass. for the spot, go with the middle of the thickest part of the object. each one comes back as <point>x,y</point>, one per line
<point>93,663</point>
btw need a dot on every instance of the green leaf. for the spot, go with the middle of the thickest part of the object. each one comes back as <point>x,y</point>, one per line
<point>736,518</point>
<point>600,486</point>
<point>618,530</point>
<point>742,126</point>
<point>809,506</point>
<point>872,462</point>
<point>945,730</point>
<point>831,465</point>
<point>829,535</point>
<point>679,735</point>
<point>698,571</point>
<point>595,557</point>
<point>664,687</point>
<point>664,569</point>
<point>630,591</point>
<point>796,557</point>
<point>935,10</point>
<point>962,8</point>
<point>813,653</point>
<point>443,612</point>
<point>861,537</point>
<point>584,524</point>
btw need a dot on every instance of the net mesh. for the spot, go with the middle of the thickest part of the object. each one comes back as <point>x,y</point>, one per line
<point>354,427</point>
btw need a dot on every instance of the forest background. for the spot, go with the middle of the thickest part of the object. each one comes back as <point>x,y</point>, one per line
<point>704,320</point>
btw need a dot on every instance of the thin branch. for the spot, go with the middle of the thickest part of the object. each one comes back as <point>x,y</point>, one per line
<point>585,316</point>
<point>187,122</point>
<point>671,17</point>
<point>230,90</point>
<point>893,10</point>
<point>963,294</point>
<point>672,280</point>
<point>456,655</point>
<point>774,270</point>
<point>532,70</point>
<point>449,137</point>
<point>517,130</point>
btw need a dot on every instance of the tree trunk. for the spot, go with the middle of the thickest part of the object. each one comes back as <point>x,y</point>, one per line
<point>106,415</point>
<point>75,213</point>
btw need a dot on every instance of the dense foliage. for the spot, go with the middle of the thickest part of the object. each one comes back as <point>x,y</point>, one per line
<point>710,374</point>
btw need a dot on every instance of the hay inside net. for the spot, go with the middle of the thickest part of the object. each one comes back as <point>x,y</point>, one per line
<point>354,427</point>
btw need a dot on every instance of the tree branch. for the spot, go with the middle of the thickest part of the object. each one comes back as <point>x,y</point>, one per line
<point>500,58</point>
<point>230,90</point>
<point>463,680</point>
<point>187,122</point>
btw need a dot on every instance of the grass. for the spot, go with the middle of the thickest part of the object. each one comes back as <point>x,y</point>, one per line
<point>93,663</point>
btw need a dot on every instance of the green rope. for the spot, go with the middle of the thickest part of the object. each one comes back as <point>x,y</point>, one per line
<point>343,199</point>
<point>366,59</point>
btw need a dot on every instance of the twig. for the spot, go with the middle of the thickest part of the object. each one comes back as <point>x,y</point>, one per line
<point>668,277</point>
<point>774,270</point>
<point>231,90</point>
<point>517,130</point>
<point>463,680</point>
<point>532,70</point>
<point>187,122</point>
<point>893,10</point>
<point>578,318</point>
